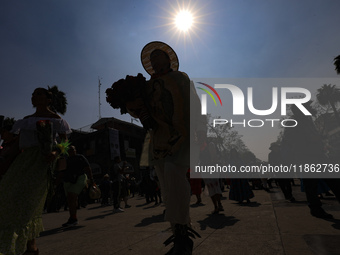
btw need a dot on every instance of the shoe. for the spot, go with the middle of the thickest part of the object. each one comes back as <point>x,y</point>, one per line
<point>118,210</point>
<point>127,206</point>
<point>220,207</point>
<point>320,213</point>
<point>70,222</point>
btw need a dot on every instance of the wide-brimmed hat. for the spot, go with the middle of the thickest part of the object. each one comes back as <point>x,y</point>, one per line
<point>157,45</point>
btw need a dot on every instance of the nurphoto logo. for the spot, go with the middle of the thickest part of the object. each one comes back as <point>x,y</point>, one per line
<point>238,106</point>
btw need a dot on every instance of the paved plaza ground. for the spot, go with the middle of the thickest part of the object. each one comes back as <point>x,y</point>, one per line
<point>268,225</point>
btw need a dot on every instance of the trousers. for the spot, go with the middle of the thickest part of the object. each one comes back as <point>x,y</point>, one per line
<point>311,189</point>
<point>175,189</point>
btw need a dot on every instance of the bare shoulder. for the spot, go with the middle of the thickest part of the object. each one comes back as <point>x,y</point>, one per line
<point>55,116</point>
<point>50,115</point>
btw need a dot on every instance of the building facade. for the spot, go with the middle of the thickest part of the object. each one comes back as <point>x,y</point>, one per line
<point>112,137</point>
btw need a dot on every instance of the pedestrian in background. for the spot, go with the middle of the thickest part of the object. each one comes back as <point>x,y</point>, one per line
<point>196,188</point>
<point>275,159</point>
<point>303,145</point>
<point>76,176</point>
<point>115,175</point>
<point>105,188</point>
<point>124,190</point>
<point>208,157</point>
<point>240,189</point>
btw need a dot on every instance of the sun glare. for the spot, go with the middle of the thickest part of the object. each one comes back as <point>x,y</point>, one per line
<point>184,20</point>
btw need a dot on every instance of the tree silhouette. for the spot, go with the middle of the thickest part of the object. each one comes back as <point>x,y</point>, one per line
<point>6,121</point>
<point>337,64</point>
<point>329,95</point>
<point>59,101</point>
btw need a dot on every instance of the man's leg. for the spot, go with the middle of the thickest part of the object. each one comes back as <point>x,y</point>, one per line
<point>334,185</point>
<point>116,195</point>
<point>177,189</point>
<point>72,199</point>
<point>314,203</point>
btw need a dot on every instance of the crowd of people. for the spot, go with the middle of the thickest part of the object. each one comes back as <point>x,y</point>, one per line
<point>36,147</point>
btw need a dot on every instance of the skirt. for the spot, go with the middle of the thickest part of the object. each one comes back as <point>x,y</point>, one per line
<point>213,186</point>
<point>23,192</point>
<point>240,190</point>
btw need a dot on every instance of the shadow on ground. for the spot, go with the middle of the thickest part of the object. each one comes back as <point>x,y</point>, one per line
<point>59,230</point>
<point>150,220</point>
<point>217,221</point>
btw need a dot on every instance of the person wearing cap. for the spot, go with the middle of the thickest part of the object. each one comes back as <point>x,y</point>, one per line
<point>168,101</point>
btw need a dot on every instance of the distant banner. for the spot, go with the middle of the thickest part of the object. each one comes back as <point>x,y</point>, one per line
<point>114,143</point>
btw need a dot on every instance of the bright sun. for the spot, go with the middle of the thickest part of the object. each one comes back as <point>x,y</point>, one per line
<point>184,20</point>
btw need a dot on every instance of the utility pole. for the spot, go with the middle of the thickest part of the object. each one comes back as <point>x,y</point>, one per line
<point>99,84</point>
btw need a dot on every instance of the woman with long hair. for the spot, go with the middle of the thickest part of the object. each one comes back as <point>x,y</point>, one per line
<point>24,187</point>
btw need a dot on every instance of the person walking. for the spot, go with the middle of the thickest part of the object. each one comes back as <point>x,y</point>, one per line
<point>196,188</point>
<point>303,145</point>
<point>105,188</point>
<point>115,175</point>
<point>75,178</point>
<point>208,157</point>
<point>124,190</point>
<point>275,159</point>
<point>240,189</point>
<point>24,187</point>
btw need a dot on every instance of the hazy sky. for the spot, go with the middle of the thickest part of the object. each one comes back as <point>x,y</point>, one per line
<point>70,43</point>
